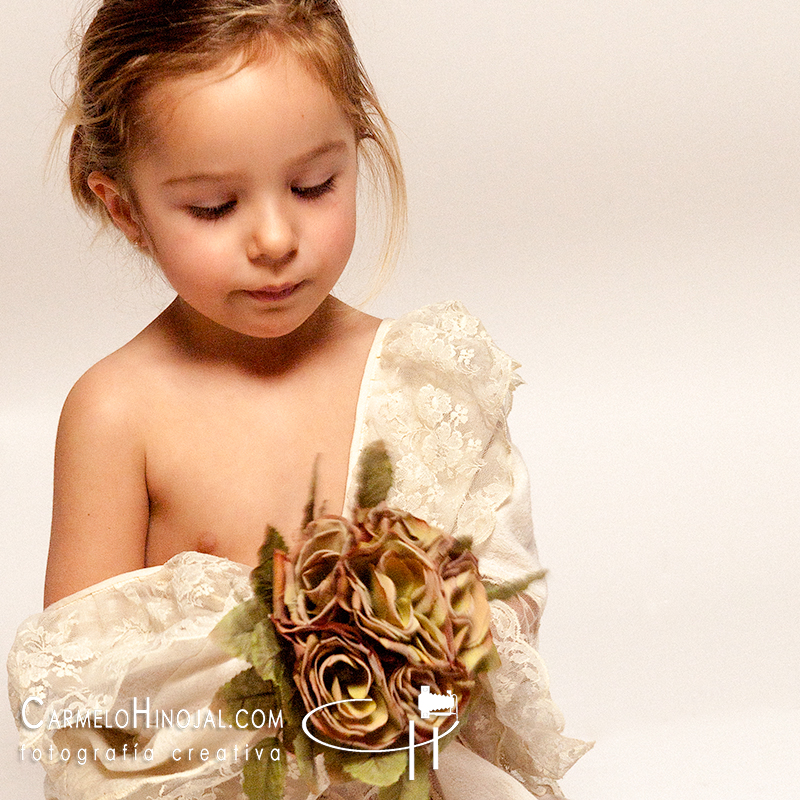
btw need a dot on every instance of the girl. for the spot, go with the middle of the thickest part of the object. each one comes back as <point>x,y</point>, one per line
<point>224,139</point>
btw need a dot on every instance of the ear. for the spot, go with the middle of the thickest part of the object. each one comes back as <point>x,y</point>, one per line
<point>119,207</point>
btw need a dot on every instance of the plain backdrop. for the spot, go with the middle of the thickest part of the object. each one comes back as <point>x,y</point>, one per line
<point>613,186</point>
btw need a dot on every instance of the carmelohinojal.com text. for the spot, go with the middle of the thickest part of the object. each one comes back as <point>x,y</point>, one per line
<point>142,717</point>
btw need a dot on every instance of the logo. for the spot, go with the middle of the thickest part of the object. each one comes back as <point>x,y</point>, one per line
<point>429,704</point>
<point>436,705</point>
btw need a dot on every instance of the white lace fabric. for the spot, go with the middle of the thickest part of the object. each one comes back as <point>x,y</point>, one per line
<point>437,391</point>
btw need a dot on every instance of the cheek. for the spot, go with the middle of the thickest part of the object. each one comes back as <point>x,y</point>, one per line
<point>181,249</point>
<point>193,270</point>
<point>347,235</point>
<point>340,232</point>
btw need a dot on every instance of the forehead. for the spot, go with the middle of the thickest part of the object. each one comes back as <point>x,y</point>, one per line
<point>274,105</point>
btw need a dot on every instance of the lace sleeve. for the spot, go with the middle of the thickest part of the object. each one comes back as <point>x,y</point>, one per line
<point>439,401</point>
<point>514,723</point>
<point>112,686</point>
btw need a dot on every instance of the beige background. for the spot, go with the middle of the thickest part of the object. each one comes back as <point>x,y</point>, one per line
<point>613,187</point>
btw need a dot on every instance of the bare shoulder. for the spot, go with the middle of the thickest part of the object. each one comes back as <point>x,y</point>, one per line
<point>100,499</point>
<point>114,398</point>
<point>111,389</point>
<point>98,401</point>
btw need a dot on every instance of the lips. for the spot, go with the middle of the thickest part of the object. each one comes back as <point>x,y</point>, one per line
<point>271,294</point>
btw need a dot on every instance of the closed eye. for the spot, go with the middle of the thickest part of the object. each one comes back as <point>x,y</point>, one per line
<point>314,192</point>
<point>212,212</point>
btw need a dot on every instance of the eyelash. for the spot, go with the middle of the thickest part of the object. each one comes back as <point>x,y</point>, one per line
<point>314,192</point>
<point>213,213</point>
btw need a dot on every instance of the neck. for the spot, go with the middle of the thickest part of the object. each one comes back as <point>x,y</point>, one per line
<point>204,340</point>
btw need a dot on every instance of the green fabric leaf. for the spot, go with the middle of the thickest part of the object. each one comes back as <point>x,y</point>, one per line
<point>247,691</point>
<point>304,754</point>
<point>374,475</point>
<point>312,495</point>
<point>293,735</point>
<point>405,789</point>
<point>266,653</point>
<point>376,769</point>
<point>461,545</point>
<point>233,632</point>
<point>263,778</point>
<point>505,591</point>
<point>489,662</point>
<point>262,578</point>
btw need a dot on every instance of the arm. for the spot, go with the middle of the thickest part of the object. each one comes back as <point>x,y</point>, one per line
<point>513,722</point>
<point>100,501</point>
<point>440,402</point>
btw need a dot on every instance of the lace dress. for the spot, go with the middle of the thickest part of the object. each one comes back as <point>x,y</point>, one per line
<point>111,686</point>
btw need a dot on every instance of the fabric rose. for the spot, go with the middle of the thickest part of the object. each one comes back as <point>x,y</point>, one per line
<point>335,667</point>
<point>383,521</point>
<point>397,598</point>
<point>307,586</point>
<point>469,612</point>
<point>405,684</point>
<point>348,628</point>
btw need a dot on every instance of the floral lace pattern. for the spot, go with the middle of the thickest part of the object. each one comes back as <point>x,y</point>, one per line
<point>60,644</point>
<point>442,391</point>
<point>442,395</point>
<point>438,396</point>
<point>90,654</point>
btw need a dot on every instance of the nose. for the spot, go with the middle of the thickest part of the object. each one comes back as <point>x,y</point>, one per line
<point>273,237</point>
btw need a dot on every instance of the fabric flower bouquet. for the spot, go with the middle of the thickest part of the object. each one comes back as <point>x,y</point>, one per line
<point>343,633</point>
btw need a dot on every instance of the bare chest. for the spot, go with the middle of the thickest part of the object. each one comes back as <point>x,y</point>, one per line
<point>224,462</point>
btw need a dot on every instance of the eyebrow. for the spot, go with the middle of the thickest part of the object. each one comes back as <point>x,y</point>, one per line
<point>337,145</point>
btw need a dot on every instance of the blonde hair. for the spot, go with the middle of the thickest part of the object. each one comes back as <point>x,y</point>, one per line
<point>132,45</point>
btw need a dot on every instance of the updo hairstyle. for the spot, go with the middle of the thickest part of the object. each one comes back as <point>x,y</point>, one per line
<point>132,45</point>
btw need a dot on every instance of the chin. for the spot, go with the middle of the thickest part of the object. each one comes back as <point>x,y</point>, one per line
<point>275,328</point>
<point>273,323</point>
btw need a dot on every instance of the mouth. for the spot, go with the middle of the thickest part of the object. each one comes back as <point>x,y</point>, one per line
<point>271,294</point>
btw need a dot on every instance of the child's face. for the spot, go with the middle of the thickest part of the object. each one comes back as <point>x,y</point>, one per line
<point>246,193</point>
